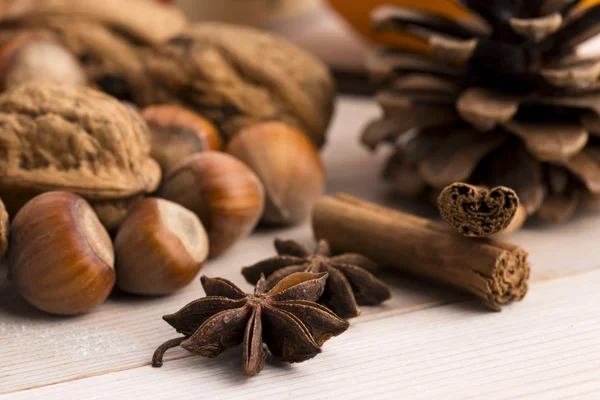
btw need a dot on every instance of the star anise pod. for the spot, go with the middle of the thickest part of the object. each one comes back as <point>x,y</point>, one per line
<point>350,281</point>
<point>285,318</point>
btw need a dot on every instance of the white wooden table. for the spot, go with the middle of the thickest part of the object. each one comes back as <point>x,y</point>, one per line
<point>427,342</point>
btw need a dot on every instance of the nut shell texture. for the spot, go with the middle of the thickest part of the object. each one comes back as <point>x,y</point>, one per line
<point>177,132</point>
<point>146,21</point>
<point>113,212</point>
<point>226,195</point>
<point>238,76</point>
<point>76,139</point>
<point>60,257</point>
<point>287,164</point>
<point>160,248</point>
<point>104,36</point>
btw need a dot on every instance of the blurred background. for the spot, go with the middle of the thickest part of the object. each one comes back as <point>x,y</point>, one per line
<point>337,31</point>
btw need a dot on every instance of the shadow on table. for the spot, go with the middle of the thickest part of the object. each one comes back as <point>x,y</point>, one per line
<point>12,303</point>
<point>413,293</point>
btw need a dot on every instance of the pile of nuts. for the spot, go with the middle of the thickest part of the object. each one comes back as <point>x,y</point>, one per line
<point>76,168</point>
<point>219,125</point>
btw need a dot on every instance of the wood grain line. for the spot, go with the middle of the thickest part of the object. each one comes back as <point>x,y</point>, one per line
<point>545,347</point>
<point>374,317</point>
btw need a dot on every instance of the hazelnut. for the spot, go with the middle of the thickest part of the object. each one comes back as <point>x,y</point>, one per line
<point>60,256</point>
<point>4,225</point>
<point>112,212</point>
<point>176,132</point>
<point>287,164</point>
<point>222,191</point>
<point>23,60</point>
<point>160,248</point>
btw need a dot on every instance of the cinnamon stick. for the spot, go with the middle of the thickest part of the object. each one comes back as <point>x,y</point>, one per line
<point>495,271</point>
<point>476,211</point>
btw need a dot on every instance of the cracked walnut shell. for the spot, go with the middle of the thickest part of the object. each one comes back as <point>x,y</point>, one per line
<point>74,139</point>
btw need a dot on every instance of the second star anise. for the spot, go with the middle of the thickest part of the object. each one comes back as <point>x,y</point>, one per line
<point>350,281</point>
<point>285,318</point>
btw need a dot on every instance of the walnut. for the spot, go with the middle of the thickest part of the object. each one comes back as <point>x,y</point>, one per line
<point>145,21</point>
<point>238,76</point>
<point>106,43</point>
<point>110,60</point>
<point>77,139</point>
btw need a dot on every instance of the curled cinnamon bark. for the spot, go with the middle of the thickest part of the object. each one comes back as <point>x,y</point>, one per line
<point>495,271</point>
<point>476,211</point>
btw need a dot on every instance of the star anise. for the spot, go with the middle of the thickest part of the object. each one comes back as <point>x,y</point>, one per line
<point>350,281</point>
<point>285,318</point>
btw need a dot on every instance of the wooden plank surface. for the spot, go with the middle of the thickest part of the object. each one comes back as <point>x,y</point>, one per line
<point>39,350</point>
<point>546,347</point>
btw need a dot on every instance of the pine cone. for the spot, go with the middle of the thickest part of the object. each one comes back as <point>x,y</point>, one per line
<point>501,99</point>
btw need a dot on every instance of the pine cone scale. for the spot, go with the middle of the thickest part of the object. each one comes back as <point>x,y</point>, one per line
<point>507,104</point>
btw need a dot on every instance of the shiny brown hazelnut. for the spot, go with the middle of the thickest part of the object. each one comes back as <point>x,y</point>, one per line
<point>287,164</point>
<point>24,59</point>
<point>60,256</point>
<point>226,195</point>
<point>160,248</point>
<point>176,132</point>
